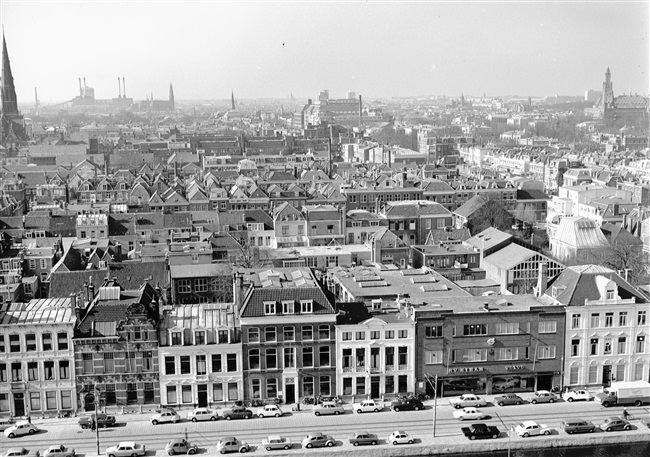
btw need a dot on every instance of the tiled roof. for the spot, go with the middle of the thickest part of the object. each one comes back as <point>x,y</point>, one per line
<point>509,256</point>
<point>415,209</point>
<point>489,238</point>
<point>64,283</point>
<point>472,205</point>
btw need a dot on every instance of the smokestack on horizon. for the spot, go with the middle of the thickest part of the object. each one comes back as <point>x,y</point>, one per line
<point>36,97</point>
<point>119,88</point>
<point>81,91</point>
<point>124,86</point>
<point>360,110</point>
<point>85,83</point>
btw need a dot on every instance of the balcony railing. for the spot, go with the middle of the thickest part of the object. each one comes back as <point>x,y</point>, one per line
<point>390,367</point>
<point>402,367</point>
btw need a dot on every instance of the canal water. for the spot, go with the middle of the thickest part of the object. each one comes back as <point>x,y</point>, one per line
<point>614,450</point>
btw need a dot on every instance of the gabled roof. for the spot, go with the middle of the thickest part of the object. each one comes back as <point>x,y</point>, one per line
<point>472,205</point>
<point>580,232</point>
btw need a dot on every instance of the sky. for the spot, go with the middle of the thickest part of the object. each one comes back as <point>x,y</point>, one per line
<point>377,49</point>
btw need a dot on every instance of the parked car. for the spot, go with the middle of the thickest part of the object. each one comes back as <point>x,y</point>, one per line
<point>202,414</point>
<point>232,444</point>
<point>20,428</point>
<point>504,384</point>
<point>236,412</point>
<point>270,411</point>
<point>614,423</point>
<point>274,442</point>
<point>180,446</point>
<point>480,431</point>
<point>508,399</point>
<point>165,417</point>
<point>367,406</point>
<point>101,420</point>
<point>328,407</point>
<point>20,452</point>
<point>467,400</point>
<point>577,426</point>
<point>364,438</point>
<point>543,396</point>
<point>5,423</point>
<point>469,413</point>
<point>574,395</point>
<point>400,437</point>
<point>126,449</point>
<point>58,451</point>
<point>407,405</point>
<point>532,428</point>
<point>318,439</point>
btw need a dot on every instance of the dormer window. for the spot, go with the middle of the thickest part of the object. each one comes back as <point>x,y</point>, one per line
<point>269,307</point>
<point>287,307</point>
<point>610,295</point>
<point>306,306</point>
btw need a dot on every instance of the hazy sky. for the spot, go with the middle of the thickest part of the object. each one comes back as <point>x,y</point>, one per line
<point>271,49</point>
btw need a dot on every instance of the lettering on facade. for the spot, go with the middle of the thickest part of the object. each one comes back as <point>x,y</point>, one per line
<point>515,367</point>
<point>466,369</point>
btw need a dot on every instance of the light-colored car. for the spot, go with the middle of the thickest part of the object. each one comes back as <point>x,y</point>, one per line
<point>318,439</point>
<point>576,395</point>
<point>328,407</point>
<point>469,413</point>
<point>543,396</point>
<point>275,442</point>
<point>180,446</point>
<point>614,423</point>
<point>20,428</point>
<point>232,444</point>
<point>467,400</point>
<point>165,417</point>
<point>269,411</point>
<point>202,414</point>
<point>532,428</point>
<point>367,406</point>
<point>400,437</point>
<point>20,452</point>
<point>58,451</point>
<point>126,449</point>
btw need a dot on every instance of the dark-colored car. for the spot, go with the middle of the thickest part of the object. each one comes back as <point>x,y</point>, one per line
<point>614,423</point>
<point>103,420</point>
<point>180,446</point>
<point>480,431</point>
<point>364,438</point>
<point>577,426</point>
<point>412,404</point>
<point>508,399</point>
<point>236,412</point>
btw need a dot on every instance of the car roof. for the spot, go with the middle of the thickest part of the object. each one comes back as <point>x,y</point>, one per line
<point>542,392</point>
<point>316,434</point>
<point>275,437</point>
<point>528,423</point>
<point>22,423</point>
<point>228,438</point>
<point>127,443</point>
<point>15,449</point>
<point>399,432</point>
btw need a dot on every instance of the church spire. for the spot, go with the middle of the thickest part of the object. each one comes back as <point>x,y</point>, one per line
<point>171,96</point>
<point>232,100</point>
<point>9,101</point>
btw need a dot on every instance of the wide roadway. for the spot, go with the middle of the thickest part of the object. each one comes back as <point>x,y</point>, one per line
<point>298,424</point>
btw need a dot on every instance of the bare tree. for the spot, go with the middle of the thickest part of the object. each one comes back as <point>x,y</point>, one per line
<point>249,255</point>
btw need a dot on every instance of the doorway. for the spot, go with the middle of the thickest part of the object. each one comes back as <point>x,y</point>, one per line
<point>290,390</point>
<point>607,375</point>
<point>89,402</point>
<point>19,404</point>
<point>202,392</point>
<point>374,386</point>
<point>544,382</point>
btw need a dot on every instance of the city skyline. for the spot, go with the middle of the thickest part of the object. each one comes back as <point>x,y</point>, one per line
<point>271,49</point>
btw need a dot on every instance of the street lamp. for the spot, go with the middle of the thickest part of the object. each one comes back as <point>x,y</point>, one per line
<point>96,397</point>
<point>434,386</point>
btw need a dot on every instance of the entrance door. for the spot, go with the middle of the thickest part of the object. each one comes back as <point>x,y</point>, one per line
<point>290,390</point>
<point>89,402</point>
<point>607,375</point>
<point>19,404</point>
<point>202,391</point>
<point>544,382</point>
<point>374,386</point>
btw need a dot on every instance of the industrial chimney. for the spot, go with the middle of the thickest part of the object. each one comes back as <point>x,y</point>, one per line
<point>360,110</point>
<point>36,97</point>
<point>81,92</point>
<point>123,86</point>
<point>119,88</point>
<point>85,84</point>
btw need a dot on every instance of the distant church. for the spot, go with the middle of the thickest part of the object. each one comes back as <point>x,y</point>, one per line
<point>158,106</point>
<point>623,107</point>
<point>12,127</point>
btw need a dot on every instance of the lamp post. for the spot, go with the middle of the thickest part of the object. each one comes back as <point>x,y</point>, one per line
<point>95,395</point>
<point>434,386</point>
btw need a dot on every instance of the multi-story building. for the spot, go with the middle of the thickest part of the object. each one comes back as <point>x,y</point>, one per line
<point>289,224</point>
<point>375,351</point>
<point>361,224</point>
<point>200,355</point>
<point>412,221</point>
<point>288,334</point>
<point>92,226</point>
<point>607,326</point>
<point>37,358</point>
<point>200,283</point>
<point>324,225</point>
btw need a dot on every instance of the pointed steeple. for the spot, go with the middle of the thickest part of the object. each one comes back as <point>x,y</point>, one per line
<point>232,100</point>
<point>9,101</point>
<point>171,96</point>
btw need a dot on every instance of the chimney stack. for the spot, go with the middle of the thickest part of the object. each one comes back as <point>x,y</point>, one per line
<point>81,91</point>
<point>360,110</point>
<point>119,88</point>
<point>91,289</point>
<point>542,280</point>
<point>239,291</point>
<point>85,84</point>
<point>123,87</point>
<point>36,97</point>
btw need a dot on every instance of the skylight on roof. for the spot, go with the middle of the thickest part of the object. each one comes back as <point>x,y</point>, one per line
<point>433,287</point>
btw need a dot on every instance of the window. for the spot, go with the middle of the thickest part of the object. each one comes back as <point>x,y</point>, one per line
<point>47,341</point>
<point>610,295</point>
<point>254,359</point>
<point>575,347</point>
<point>507,354</point>
<point>621,347</point>
<point>593,374</point>
<point>641,317</point>
<point>573,375</point>
<point>170,365</point>
<point>402,357</point>
<point>30,342</point>
<point>361,385</point>
<point>2,340</point>
<point>547,326</point>
<point>171,395</point>
<point>622,319</point>
<point>270,334</point>
<point>324,332</point>
<point>308,386</point>
<point>289,357</point>
<point>306,306</point>
<point>216,363</point>
<point>593,346</point>
<point>475,329</point>
<point>546,352</point>
<point>177,339</point>
<point>307,357</point>
<point>360,336</point>
<point>201,285</point>
<point>432,357</point>
<point>201,364</point>
<point>14,343</point>
<point>269,307</point>
<point>285,230</point>
<point>186,365</point>
<point>87,359</point>
<point>307,333</point>
<point>217,391</point>
<point>16,371</point>
<point>638,371</point>
<point>32,371</point>
<point>324,356</point>
<point>3,372</point>
<point>186,392</point>
<point>640,344</point>
<point>199,337</point>
<point>289,333</point>
<point>288,306</point>
<point>231,362</point>
<point>433,331</point>
<point>184,286</point>
<point>346,336</point>
<point>609,319</point>
<point>469,355</point>
<point>595,320</point>
<point>375,335</point>
<point>253,335</point>
<point>109,362</point>
<point>271,387</point>
<point>608,346</point>
<point>43,264</point>
<point>35,401</point>
<point>66,399</point>
<point>271,358</point>
<point>324,385</point>
<point>389,334</point>
<point>575,321</point>
<point>403,334</point>
<point>620,372</point>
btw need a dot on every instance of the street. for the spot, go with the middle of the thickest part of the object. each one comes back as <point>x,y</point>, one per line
<point>296,425</point>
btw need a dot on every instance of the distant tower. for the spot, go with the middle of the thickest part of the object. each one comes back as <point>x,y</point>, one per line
<point>608,93</point>
<point>530,101</point>
<point>171,97</point>
<point>232,100</point>
<point>462,98</point>
<point>12,127</point>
